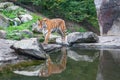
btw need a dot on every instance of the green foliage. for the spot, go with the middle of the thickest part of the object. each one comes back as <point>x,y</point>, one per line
<point>12,14</point>
<point>11,30</point>
<point>74,10</point>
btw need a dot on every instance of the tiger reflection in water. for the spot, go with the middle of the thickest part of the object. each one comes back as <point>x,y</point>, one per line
<point>54,68</point>
<point>48,68</point>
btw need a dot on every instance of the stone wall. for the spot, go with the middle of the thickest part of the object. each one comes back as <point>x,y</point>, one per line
<point>108,12</point>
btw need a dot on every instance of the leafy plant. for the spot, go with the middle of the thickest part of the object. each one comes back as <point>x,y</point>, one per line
<point>74,10</point>
<point>11,34</point>
<point>13,14</point>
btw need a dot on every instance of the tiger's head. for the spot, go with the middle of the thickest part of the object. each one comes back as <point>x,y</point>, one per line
<point>42,23</point>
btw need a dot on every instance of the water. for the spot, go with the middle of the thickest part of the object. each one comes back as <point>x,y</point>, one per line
<point>72,64</point>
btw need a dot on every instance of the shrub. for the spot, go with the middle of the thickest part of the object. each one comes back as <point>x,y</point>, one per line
<point>74,10</point>
<point>11,30</point>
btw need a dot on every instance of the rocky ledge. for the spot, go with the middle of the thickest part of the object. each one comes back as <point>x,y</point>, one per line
<point>105,43</point>
<point>12,51</point>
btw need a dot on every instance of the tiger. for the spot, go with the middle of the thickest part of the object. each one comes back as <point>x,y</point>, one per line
<point>48,26</point>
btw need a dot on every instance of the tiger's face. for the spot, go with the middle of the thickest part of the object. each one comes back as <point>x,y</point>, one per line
<point>42,23</point>
<point>42,27</point>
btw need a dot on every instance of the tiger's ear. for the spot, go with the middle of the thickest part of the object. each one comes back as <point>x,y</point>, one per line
<point>45,19</point>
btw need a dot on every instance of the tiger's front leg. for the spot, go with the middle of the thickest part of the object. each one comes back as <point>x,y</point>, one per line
<point>47,37</point>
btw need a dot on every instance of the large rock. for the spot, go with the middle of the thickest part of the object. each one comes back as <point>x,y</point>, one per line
<point>30,47</point>
<point>6,54</point>
<point>108,12</point>
<point>82,37</point>
<point>2,34</point>
<point>3,21</point>
<point>60,41</point>
<point>13,8</point>
<point>25,17</point>
<point>105,43</point>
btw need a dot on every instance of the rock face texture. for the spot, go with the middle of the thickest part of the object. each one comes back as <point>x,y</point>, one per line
<point>3,21</point>
<point>6,54</point>
<point>108,12</point>
<point>51,48</point>
<point>29,47</point>
<point>78,37</point>
<point>25,18</point>
<point>81,37</point>
<point>2,34</point>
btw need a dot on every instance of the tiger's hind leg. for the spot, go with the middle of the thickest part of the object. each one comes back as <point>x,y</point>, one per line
<point>62,34</point>
<point>63,30</point>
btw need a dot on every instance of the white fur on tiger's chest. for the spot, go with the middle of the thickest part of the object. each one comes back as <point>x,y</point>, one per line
<point>44,31</point>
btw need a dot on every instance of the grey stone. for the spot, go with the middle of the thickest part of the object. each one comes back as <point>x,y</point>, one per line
<point>30,47</point>
<point>6,54</point>
<point>108,12</point>
<point>82,37</point>
<point>3,21</point>
<point>105,43</point>
<point>12,8</point>
<point>52,38</point>
<point>49,48</point>
<point>59,41</point>
<point>2,34</point>
<point>25,17</point>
